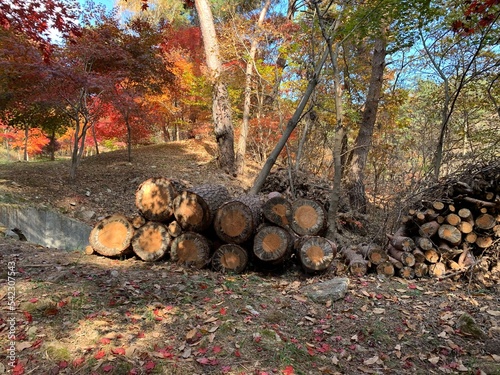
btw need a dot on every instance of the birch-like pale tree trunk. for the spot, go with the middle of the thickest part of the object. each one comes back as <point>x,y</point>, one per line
<point>221,107</point>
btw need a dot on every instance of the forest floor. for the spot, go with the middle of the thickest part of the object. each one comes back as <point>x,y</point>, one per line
<point>86,314</point>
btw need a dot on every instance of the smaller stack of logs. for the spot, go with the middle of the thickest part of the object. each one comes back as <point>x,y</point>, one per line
<point>204,226</point>
<point>441,239</point>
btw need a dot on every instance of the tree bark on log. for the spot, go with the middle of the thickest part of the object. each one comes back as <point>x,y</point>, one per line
<point>374,253</point>
<point>190,249</point>
<point>174,229</point>
<point>357,265</point>
<point>428,229</point>
<point>421,269</point>
<point>112,235</point>
<point>308,217</point>
<point>230,258</point>
<point>316,253</point>
<point>405,257</point>
<point>272,244</point>
<point>278,210</point>
<point>237,220</point>
<point>194,209</point>
<point>154,198</point>
<point>385,268</point>
<point>450,233</point>
<point>151,241</point>
<point>401,242</point>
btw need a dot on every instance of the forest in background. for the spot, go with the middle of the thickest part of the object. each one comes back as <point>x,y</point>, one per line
<point>385,93</point>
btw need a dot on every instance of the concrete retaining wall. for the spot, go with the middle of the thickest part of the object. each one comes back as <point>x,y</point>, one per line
<point>46,227</point>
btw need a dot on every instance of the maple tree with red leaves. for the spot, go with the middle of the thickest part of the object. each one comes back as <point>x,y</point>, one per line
<point>38,19</point>
<point>477,14</point>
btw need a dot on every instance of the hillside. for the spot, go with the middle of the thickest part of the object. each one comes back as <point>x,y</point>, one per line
<point>86,314</point>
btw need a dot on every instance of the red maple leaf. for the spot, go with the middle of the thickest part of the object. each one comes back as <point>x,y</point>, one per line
<point>78,361</point>
<point>18,369</point>
<point>107,368</point>
<point>105,341</point>
<point>118,351</point>
<point>149,365</point>
<point>34,300</point>
<point>28,316</point>
<point>288,370</point>
<point>237,353</point>
<point>216,349</point>
<point>63,364</point>
<point>203,360</point>
<point>223,311</point>
<point>100,354</point>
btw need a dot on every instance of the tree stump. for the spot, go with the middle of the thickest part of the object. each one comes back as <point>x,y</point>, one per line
<point>112,235</point>
<point>236,220</point>
<point>272,244</point>
<point>190,249</point>
<point>230,258</point>
<point>316,253</point>
<point>151,241</point>
<point>278,210</point>
<point>308,217</point>
<point>194,209</point>
<point>154,198</point>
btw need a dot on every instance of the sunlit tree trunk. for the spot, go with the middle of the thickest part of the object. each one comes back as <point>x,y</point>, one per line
<point>242,143</point>
<point>26,137</point>
<point>221,107</point>
<point>355,174</point>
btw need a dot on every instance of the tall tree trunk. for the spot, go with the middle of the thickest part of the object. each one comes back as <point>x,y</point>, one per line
<point>129,137</point>
<point>221,107</point>
<point>355,175</point>
<point>94,136</point>
<point>26,137</point>
<point>242,143</point>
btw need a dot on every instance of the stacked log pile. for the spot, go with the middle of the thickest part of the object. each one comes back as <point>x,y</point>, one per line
<point>457,232</point>
<point>204,226</point>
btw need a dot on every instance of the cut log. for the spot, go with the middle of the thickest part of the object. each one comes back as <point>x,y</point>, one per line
<point>437,205</point>
<point>316,253</point>
<point>465,227</point>
<point>190,249</point>
<point>374,253</point>
<point>471,237</point>
<point>419,255</point>
<point>272,244</point>
<point>407,272</point>
<point>465,214</point>
<point>151,241</point>
<point>154,198</point>
<point>453,219</point>
<point>194,209</point>
<point>450,233</point>
<point>405,257</point>
<point>466,259</point>
<point>396,263</point>
<point>174,229</point>
<point>230,258</point>
<point>137,221</point>
<point>485,221</point>
<point>428,229</point>
<point>437,269</point>
<point>89,250</point>
<point>420,217</point>
<point>432,256</point>
<point>278,210</point>
<point>401,243</point>
<point>357,265</point>
<point>385,268</point>
<point>237,220</point>
<point>423,243</point>
<point>112,235</point>
<point>484,242</point>
<point>421,269</point>
<point>308,217</point>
